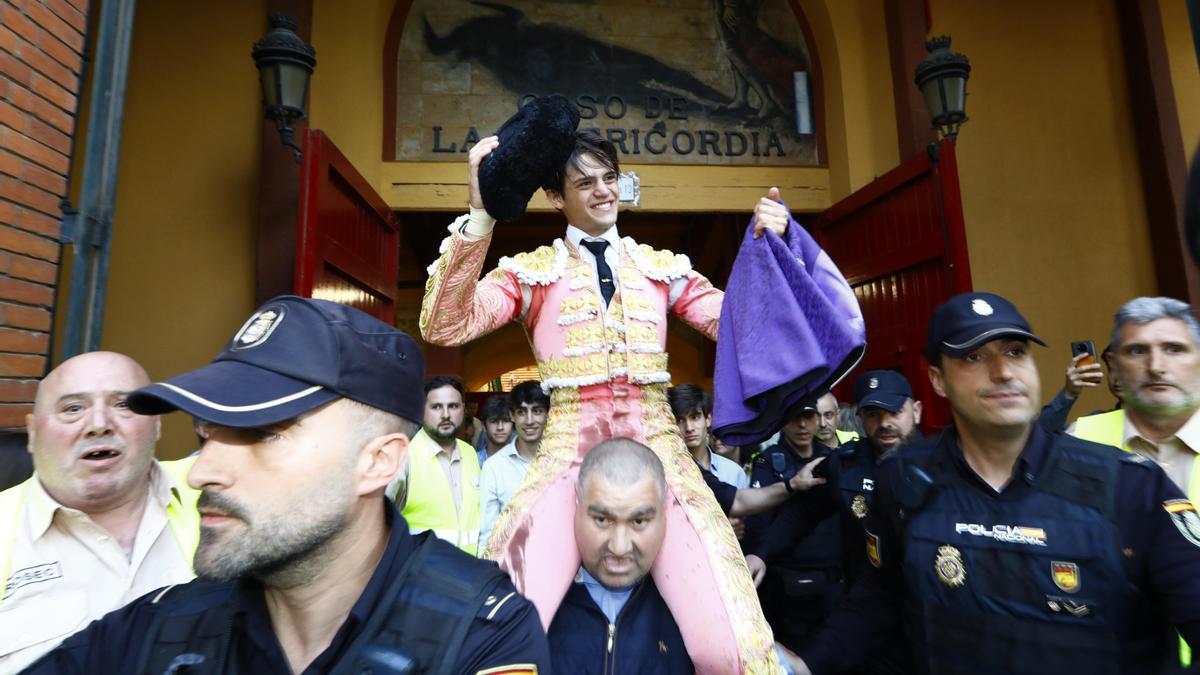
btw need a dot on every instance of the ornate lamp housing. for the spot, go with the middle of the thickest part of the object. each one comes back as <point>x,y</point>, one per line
<point>285,63</point>
<point>942,79</point>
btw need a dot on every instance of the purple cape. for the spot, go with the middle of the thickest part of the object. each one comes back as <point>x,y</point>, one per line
<point>790,328</point>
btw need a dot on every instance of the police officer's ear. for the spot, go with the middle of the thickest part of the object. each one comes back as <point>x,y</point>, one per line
<point>379,461</point>
<point>938,379</point>
<point>916,408</point>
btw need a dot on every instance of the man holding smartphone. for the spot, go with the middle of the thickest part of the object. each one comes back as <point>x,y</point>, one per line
<point>1083,372</point>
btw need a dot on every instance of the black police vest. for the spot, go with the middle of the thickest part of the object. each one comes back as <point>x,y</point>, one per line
<point>820,550</point>
<point>433,601</point>
<point>1028,586</point>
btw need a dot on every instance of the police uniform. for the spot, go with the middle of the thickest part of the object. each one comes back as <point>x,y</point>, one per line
<point>1045,576</point>
<point>225,627</point>
<point>805,580</point>
<point>428,607</point>
<point>848,493</point>
<point>1082,562</point>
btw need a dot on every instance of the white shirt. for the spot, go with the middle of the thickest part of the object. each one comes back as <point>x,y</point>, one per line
<point>727,471</point>
<point>67,571</point>
<point>612,253</point>
<point>479,225</point>
<point>502,475</point>
<point>1175,455</point>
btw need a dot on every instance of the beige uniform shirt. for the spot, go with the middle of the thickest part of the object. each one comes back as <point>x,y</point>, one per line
<point>67,571</point>
<point>1175,455</point>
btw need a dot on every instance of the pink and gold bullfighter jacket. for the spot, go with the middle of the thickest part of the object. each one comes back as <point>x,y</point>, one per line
<point>606,372</point>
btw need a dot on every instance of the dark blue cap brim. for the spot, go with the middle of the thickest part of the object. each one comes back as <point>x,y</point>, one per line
<point>965,342</point>
<point>232,394</point>
<point>889,402</point>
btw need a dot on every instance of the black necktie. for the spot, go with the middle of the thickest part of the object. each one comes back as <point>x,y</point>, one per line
<point>602,269</point>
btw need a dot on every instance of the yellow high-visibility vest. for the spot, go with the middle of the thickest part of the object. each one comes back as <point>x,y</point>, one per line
<point>182,517</point>
<point>429,504</point>
<point>1109,429</point>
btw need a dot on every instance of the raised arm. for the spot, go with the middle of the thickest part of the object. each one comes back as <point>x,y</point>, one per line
<point>694,299</point>
<point>458,306</point>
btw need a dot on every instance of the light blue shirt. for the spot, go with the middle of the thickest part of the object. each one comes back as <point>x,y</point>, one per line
<point>727,471</point>
<point>610,601</point>
<point>502,474</point>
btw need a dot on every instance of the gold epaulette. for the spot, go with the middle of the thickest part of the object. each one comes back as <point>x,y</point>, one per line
<point>659,265</point>
<point>540,267</point>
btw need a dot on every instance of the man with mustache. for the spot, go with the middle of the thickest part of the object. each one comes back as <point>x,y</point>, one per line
<point>613,619</point>
<point>438,489</point>
<point>1155,358</point>
<point>1155,351</point>
<point>503,474</point>
<point>1005,548</point>
<point>100,522</point>
<point>304,565</point>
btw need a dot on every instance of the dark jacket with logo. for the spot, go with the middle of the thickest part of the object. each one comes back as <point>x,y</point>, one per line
<point>644,639</point>
<point>1080,563</point>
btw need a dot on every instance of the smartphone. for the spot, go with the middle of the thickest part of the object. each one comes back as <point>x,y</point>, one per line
<point>1084,347</point>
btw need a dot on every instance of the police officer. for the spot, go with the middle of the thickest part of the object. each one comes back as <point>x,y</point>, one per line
<point>1009,549</point>
<point>304,566</point>
<point>805,581</point>
<point>889,416</point>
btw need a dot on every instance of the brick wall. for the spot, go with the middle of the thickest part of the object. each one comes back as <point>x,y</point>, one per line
<point>41,46</point>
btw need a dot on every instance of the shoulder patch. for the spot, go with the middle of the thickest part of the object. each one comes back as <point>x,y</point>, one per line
<point>540,267</point>
<point>1184,517</point>
<point>657,264</point>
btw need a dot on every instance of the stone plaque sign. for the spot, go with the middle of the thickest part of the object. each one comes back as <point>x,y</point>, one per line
<point>668,81</point>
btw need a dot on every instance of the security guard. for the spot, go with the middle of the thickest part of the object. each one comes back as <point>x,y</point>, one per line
<point>304,566</point>
<point>803,583</point>
<point>1008,549</point>
<point>1156,350</point>
<point>101,522</point>
<point>890,416</point>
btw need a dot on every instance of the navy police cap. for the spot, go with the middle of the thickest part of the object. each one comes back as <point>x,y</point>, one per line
<point>966,321</point>
<point>885,389</point>
<point>291,356</point>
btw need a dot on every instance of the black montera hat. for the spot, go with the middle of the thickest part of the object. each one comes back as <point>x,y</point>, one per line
<point>291,356</point>
<point>534,143</point>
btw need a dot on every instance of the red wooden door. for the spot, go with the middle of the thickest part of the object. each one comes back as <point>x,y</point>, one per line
<point>900,243</point>
<point>348,241</point>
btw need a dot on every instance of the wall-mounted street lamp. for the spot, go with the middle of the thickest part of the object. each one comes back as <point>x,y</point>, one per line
<point>942,79</point>
<point>285,62</point>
